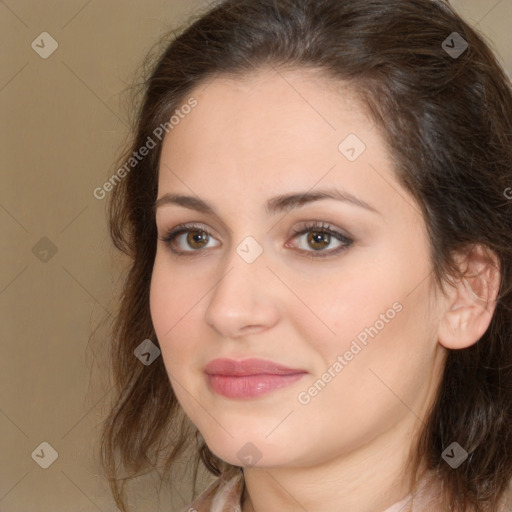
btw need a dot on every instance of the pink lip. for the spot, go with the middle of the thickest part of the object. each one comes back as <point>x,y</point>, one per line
<point>253,366</point>
<point>249,378</point>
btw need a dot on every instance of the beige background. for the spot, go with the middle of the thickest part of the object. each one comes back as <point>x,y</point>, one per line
<point>63,125</point>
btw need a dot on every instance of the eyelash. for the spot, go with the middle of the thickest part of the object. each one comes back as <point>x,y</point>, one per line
<point>323,228</point>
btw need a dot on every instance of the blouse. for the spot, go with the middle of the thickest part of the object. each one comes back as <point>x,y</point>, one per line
<point>225,495</point>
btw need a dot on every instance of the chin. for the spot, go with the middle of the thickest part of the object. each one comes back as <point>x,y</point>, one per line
<point>249,450</point>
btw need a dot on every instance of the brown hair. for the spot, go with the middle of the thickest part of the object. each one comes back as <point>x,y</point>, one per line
<point>448,122</point>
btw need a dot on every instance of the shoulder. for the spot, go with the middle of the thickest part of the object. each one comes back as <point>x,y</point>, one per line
<point>223,495</point>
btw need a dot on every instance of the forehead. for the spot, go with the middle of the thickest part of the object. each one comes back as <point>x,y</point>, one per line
<point>271,100</point>
<point>270,127</point>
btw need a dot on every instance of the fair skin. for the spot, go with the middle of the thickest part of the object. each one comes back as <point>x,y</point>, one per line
<point>251,139</point>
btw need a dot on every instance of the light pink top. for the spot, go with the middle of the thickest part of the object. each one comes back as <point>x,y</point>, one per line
<point>225,495</point>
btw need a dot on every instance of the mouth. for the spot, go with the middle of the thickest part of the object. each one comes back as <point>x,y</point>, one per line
<point>249,378</point>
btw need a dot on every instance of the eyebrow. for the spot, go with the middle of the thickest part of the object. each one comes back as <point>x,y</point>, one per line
<point>281,203</point>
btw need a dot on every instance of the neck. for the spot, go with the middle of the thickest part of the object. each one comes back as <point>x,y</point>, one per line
<point>370,479</point>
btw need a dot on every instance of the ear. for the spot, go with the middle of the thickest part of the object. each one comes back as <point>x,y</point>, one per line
<point>471,300</point>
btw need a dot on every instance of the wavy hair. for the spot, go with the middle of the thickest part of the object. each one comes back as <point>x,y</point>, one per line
<point>447,120</point>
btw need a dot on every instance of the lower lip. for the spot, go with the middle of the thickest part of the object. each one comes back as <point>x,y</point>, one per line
<point>250,386</point>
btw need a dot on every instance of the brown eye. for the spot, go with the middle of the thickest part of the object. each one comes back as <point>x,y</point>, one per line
<point>318,240</point>
<point>188,239</point>
<point>197,239</point>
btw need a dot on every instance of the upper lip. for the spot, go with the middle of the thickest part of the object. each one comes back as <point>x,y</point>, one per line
<point>248,367</point>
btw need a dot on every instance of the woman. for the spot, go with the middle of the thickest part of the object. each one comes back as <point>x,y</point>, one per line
<point>320,241</point>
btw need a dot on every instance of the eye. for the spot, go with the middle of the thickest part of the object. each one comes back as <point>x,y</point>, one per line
<point>319,237</point>
<point>188,238</point>
<point>192,238</point>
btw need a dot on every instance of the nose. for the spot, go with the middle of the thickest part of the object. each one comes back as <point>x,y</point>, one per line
<point>244,300</point>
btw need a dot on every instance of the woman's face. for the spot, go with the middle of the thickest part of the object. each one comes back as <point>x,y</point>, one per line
<point>337,288</point>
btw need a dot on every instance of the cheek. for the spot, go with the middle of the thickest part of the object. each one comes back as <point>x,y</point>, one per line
<point>341,304</point>
<point>173,304</point>
<point>175,291</point>
<point>172,299</point>
<point>374,316</point>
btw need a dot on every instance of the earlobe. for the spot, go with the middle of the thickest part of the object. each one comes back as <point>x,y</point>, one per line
<point>471,301</point>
